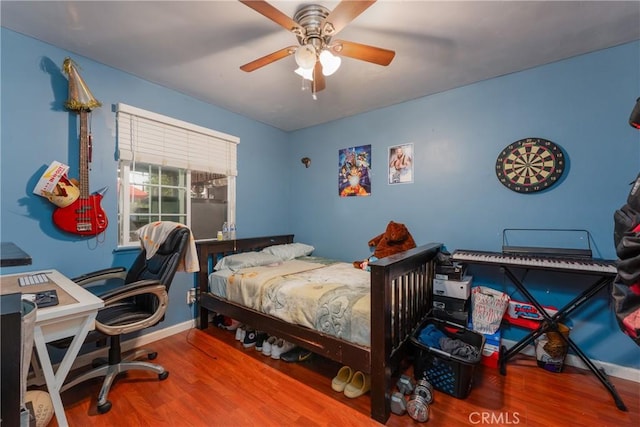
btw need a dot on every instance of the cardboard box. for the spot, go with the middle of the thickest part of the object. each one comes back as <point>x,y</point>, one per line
<point>525,310</point>
<point>460,289</point>
<point>450,304</point>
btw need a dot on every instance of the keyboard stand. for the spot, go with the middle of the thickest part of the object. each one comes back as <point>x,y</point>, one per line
<point>550,323</point>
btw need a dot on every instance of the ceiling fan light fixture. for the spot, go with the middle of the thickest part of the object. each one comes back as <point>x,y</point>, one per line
<point>305,73</point>
<point>305,56</point>
<point>330,62</point>
<point>315,26</point>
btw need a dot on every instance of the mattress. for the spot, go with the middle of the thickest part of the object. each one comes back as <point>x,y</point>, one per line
<point>329,296</point>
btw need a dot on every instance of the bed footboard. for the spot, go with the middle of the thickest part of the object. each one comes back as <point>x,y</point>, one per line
<point>401,288</point>
<point>401,297</point>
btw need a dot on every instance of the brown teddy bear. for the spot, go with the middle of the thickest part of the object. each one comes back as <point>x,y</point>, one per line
<point>395,239</point>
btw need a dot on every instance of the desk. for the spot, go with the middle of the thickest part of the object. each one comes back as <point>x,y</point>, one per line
<point>11,255</point>
<point>74,317</point>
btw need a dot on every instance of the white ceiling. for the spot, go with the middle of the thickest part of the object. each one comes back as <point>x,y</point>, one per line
<point>197,47</point>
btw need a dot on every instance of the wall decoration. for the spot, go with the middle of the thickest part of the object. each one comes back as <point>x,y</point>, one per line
<point>55,185</point>
<point>401,164</point>
<point>354,165</point>
<point>530,165</point>
<point>85,215</point>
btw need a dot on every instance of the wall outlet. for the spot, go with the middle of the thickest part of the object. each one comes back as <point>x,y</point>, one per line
<point>191,296</point>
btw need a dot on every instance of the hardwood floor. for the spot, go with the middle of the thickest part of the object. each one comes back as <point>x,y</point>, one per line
<point>214,381</point>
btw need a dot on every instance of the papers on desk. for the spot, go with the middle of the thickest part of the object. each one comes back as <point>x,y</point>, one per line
<point>43,299</point>
<point>67,291</point>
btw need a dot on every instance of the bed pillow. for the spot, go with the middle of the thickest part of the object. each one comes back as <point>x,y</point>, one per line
<point>246,259</point>
<point>289,250</point>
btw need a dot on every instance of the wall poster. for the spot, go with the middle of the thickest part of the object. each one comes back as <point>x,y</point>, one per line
<point>401,164</point>
<point>354,165</point>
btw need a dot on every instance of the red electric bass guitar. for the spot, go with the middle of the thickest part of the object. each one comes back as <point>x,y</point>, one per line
<point>85,216</point>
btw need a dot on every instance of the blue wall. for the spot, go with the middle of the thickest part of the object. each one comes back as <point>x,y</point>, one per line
<point>582,104</point>
<point>37,129</point>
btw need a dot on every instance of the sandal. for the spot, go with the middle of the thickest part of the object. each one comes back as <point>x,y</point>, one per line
<point>340,381</point>
<point>359,385</point>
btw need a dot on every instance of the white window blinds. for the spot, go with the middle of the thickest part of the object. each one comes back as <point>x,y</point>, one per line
<point>148,137</point>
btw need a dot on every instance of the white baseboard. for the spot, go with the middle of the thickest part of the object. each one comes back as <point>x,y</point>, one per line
<point>611,370</point>
<point>87,358</point>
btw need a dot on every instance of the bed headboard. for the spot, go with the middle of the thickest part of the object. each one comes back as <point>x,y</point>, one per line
<point>212,250</point>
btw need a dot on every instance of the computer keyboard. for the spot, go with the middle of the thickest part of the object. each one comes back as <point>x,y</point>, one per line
<point>33,279</point>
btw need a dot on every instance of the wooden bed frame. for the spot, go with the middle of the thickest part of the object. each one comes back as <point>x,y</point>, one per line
<point>400,299</point>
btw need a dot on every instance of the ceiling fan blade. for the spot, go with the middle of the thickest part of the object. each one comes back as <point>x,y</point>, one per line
<point>363,52</point>
<point>265,9</point>
<point>318,82</point>
<point>345,12</point>
<point>268,59</point>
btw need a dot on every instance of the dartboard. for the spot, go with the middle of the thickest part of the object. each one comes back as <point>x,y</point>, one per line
<point>530,165</point>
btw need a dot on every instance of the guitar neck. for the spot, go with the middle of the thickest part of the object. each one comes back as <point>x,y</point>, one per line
<point>84,155</point>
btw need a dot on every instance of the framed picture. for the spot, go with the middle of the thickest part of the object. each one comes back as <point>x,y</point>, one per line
<point>354,165</point>
<point>401,164</point>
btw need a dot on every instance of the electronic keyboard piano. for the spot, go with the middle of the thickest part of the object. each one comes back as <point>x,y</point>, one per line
<point>554,261</point>
<point>558,263</point>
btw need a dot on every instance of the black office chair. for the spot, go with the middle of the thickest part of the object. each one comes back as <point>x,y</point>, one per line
<point>139,303</point>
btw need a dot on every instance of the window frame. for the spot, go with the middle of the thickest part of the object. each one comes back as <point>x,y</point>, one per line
<point>189,140</point>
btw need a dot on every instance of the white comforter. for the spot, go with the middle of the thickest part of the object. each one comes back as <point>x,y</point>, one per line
<point>334,298</point>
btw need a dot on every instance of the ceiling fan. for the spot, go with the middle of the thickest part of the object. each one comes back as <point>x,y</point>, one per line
<point>314,25</point>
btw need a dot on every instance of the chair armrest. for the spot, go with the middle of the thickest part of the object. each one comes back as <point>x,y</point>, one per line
<point>141,287</point>
<point>104,274</point>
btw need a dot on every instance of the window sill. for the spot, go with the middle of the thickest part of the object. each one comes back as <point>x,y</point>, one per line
<point>124,249</point>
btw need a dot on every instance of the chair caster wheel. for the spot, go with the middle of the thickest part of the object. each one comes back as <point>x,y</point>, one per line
<point>163,376</point>
<point>152,356</point>
<point>106,407</point>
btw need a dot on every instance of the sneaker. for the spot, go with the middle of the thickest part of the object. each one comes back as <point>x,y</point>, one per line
<point>250,338</point>
<point>233,325</point>
<point>260,339</point>
<point>240,333</point>
<point>280,347</point>
<point>296,354</point>
<point>218,321</point>
<point>226,321</point>
<point>267,345</point>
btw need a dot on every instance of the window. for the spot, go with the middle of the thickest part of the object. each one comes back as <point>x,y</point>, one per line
<point>173,171</point>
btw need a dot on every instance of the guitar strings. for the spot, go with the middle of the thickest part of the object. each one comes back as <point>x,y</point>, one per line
<point>90,201</point>
<point>84,159</point>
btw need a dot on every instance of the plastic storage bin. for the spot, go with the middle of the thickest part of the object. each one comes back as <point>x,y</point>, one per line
<point>447,373</point>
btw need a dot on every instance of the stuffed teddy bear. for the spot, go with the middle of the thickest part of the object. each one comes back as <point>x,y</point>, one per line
<point>395,239</point>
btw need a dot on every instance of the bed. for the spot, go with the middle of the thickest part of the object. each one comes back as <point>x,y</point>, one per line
<point>401,297</point>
